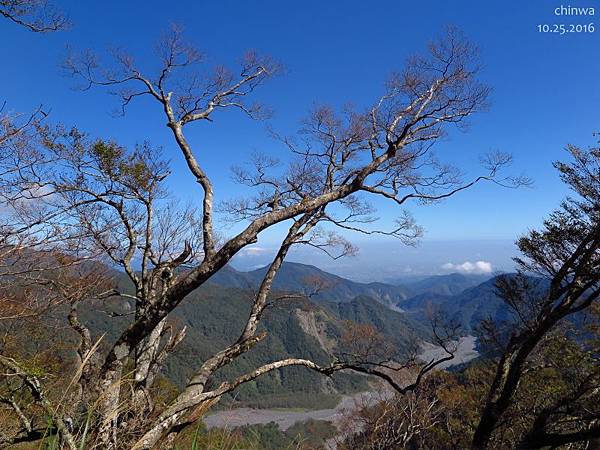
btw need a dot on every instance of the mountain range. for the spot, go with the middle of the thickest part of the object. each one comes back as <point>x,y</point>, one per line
<point>314,282</point>
<point>303,278</point>
<point>466,299</point>
<point>215,315</point>
<point>467,308</point>
<point>309,325</point>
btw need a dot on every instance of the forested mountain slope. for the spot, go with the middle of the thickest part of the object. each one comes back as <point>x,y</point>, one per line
<point>215,315</point>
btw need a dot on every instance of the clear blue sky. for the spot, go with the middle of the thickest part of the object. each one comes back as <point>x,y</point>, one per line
<point>545,87</point>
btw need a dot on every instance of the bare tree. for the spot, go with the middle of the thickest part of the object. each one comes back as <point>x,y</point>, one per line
<point>566,251</point>
<point>39,16</point>
<point>17,296</point>
<point>111,201</point>
<point>16,130</point>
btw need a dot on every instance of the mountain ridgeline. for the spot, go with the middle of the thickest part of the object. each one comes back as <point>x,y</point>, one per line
<point>314,282</point>
<point>466,299</point>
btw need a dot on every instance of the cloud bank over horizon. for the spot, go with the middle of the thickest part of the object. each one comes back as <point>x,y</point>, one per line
<point>468,267</point>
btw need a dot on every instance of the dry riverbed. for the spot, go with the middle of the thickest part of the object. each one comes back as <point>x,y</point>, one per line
<point>237,417</point>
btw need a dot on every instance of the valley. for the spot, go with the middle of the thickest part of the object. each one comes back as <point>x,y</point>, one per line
<point>285,418</point>
<point>309,326</point>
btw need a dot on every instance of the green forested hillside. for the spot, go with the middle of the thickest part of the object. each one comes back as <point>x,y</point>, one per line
<point>214,316</point>
<point>296,328</point>
<point>401,329</point>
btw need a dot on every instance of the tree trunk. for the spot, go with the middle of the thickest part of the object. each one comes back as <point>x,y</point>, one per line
<point>109,390</point>
<point>146,355</point>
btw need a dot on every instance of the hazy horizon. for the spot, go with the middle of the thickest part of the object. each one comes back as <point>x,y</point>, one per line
<point>390,260</point>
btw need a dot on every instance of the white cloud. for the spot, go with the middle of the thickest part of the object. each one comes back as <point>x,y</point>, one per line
<point>30,198</point>
<point>255,251</point>
<point>469,267</point>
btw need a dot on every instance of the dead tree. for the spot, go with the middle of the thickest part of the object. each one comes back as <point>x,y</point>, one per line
<point>118,201</point>
<point>395,422</point>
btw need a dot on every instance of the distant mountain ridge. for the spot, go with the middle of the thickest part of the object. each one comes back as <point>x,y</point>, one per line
<point>307,279</point>
<point>450,284</point>
<point>466,299</point>
<point>469,307</point>
<point>303,278</point>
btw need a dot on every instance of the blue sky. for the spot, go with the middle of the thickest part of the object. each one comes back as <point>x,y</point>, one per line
<point>545,94</point>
